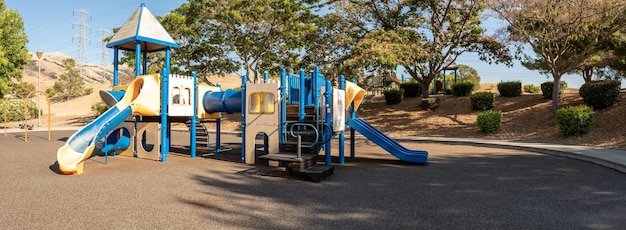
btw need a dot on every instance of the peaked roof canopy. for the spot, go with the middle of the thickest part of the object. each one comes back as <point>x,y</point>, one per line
<point>142,26</point>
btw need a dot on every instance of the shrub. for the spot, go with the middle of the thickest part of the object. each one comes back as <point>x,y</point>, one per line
<point>482,100</point>
<point>430,103</point>
<point>15,110</point>
<point>531,88</point>
<point>574,120</point>
<point>463,88</point>
<point>600,94</point>
<point>489,121</point>
<point>393,96</point>
<point>411,89</point>
<point>510,88</point>
<point>99,108</point>
<point>546,88</point>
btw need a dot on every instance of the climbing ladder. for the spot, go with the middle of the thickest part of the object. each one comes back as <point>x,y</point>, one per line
<point>302,144</point>
<point>202,134</point>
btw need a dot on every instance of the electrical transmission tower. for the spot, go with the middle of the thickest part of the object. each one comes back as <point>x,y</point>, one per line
<point>105,55</point>
<point>82,37</point>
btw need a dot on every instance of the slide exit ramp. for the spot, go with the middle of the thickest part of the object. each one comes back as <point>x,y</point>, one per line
<point>388,144</point>
<point>139,98</point>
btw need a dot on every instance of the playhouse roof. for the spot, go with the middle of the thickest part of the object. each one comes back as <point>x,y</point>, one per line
<point>142,26</point>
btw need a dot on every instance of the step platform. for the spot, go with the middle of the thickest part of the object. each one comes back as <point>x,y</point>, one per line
<point>308,164</point>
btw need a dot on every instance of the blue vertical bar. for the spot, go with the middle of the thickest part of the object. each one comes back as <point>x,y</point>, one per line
<point>194,117</point>
<point>244,80</point>
<point>116,62</point>
<point>352,116</point>
<point>301,100</point>
<point>168,56</point>
<point>342,85</point>
<point>266,76</point>
<point>283,104</point>
<point>218,128</point>
<point>316,88</point>
<point>328,117</point>
<point>137,58</point>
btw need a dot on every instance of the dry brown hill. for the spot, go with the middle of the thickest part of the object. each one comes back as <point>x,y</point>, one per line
<point>527,117</point>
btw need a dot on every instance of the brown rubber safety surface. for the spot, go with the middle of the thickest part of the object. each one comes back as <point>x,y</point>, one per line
<point>463,187</point>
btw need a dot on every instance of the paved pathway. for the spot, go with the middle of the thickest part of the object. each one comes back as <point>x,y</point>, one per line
<point>463,187</point>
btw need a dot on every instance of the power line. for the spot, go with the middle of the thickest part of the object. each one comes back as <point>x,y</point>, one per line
<point>105,55</point>
<point>82,37</point>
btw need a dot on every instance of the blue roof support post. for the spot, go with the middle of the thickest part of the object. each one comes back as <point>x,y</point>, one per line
<point>194,118</point>
<point>218,130</point>
<point>116,75</point>
<point>165,134</point>
<point>328,117</point>
<point>301,100</point>
<point>266,76</point>
<point>168,55</point>
<point>244,80</point>
<point>352,116</point>
<point>283,104</point>
<point>137,58</point>
<point>342,135</point>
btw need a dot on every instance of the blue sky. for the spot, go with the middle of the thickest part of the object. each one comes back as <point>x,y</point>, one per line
<point>52,26</point>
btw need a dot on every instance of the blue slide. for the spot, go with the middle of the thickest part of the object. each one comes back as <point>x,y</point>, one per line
<point>95,130</point>
<point>388,144</point>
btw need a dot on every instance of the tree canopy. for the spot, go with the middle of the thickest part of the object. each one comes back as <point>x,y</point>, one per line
<point>427,36</point>
<point>563,34</point>
<point>13,51</point>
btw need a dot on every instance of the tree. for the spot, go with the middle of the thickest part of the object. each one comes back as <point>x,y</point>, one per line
<point>253,34</point>
<point>13,52</point>
<point>467,73</point>
<point>200,48</point>
<point>70,83</point>
<point>563,33</point>
<point>22,89</point>
<point>430,35</point>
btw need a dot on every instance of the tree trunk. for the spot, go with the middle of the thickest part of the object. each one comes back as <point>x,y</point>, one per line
<point>588,74</point>
<point>425,93</point>
<point>556,90</point>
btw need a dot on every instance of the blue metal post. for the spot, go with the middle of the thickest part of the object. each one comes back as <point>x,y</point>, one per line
<point>218,129</point>
<point>115,66</point>
<point>244,80</point>
<point>315,87</point>
<point>302,96</point>
<point>137,58</point>
<point>266,76</point>
<point>328,117</point>
<point>342,85</point>
<point>194,118</point>
<point>283,104</point>
<point>352,116</point>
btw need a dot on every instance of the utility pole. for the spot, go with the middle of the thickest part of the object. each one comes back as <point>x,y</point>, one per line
<point>82,37</point>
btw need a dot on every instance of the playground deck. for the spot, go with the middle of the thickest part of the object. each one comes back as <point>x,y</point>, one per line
<point>462,187</point>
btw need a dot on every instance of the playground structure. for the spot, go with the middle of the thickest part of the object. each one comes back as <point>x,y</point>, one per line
<point>297,116</point>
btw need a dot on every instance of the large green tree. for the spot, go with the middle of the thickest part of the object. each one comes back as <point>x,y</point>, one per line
<point>256,34</point>
<point>563,33</point>
<point>426,36</point>
<point>70,83</point>
<point>13,52</point>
